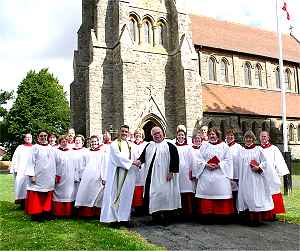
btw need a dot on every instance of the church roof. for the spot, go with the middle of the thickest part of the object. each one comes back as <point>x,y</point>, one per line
<point>241,100</point>
<point>241,38</point>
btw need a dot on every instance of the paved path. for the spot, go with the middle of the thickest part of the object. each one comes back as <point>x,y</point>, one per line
<point>194,236</point>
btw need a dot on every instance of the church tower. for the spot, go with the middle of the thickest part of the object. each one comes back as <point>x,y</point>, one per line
<point>135,65</point>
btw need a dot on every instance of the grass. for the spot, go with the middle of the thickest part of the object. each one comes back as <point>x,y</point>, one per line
<point>18,232</point>
<point>292,203</point>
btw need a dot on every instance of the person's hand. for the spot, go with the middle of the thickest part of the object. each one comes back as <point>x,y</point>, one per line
<point>212,167</point>
<point>137,163</point>
<point>103,182</point>
<point>169,176</point>
<point>33,179</point>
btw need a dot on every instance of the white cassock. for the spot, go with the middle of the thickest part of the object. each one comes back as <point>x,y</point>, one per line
<point>235,153</point>
<point>140,172</point>
<point>186,185</point>
<point>276,168</point>
<point>254,193</point>
<point>120,183</point>
<point>43,167</point>
<point>64,189</point>
<point>90,190</point>
<point>213,184</point>
<point>21,159</point>
<point>163,194</point>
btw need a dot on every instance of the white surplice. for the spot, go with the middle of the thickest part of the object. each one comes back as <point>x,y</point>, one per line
<point>213,184</point>
<point>118,195</point>
<point>235,152</point>
<point>90,190</point>
<point>276,168</point>
<point>163,194</point>
<point>186,185</point>
<point>64,189</point>
<point>254,192</point>
<point>21,159</point>
<point>140,172</point>
<point>43,167</point>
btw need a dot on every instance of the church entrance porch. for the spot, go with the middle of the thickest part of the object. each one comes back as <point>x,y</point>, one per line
<point>148,123</point>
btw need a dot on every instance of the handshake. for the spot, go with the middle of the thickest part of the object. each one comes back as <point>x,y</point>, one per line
<point>137,163</point>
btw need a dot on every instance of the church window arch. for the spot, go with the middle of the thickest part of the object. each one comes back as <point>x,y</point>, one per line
<point>162,33</point>
<point>291,133</point>
<point>287,79</point>
<point>247,74</point>
<point>265,126</point>
<point>224,71</point>
<point>211,124</point>
<point>212,69</point>
<point>277,76</point>
<point>133,27</point>
<point>258,75</point>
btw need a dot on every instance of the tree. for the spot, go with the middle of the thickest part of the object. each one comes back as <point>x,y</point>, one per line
<point>4,97</point>
<point>40,105</point>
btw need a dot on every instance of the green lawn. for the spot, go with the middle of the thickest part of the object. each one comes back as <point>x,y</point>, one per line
<point>18,232</point>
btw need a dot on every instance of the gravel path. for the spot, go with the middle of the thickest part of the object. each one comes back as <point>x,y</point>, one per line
<point>194,236</point>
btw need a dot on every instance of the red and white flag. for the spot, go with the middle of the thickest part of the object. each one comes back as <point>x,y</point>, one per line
<point>284,8</point>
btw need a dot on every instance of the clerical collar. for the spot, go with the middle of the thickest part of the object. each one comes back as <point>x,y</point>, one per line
<point>63,149</point>
<point>27,144</point>
<point>138,143</point>
<point>216,143</point>
<point>106,142</point>
<point>96,149</point>
<point>45,144</point>
<point>266,145</point>
<point>74,148</point>
<point>196,147</point>
<point>231,143</point>
<point>250,147</point>
<point>182,144</point>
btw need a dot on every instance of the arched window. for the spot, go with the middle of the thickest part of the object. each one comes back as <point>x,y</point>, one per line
<point>247,74</point>
<point>147,32</point>
<point>212,69</point>
<point>224,71</point>
<point>258,77</point>
<point>244,127</point>
<point>162,34</point>
<point>287,79</point>
<point>133,29</point>
<point>277,75</point>
<point>211,124</point>
<point>265,126</point>
<point>291,132</point>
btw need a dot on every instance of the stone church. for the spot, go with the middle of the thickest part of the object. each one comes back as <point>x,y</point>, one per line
<point>148,62</point>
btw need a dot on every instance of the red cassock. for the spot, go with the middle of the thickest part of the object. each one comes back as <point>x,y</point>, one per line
<point>138,196</point>
<point>38,202</point>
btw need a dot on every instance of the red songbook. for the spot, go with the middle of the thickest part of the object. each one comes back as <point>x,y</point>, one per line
<point>214,160</point>
<point>254,163</point>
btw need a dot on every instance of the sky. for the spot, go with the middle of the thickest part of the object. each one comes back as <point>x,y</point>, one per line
<point>36,34</point>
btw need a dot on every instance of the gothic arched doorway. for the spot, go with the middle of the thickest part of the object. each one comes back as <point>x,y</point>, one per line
<point>149,122</point>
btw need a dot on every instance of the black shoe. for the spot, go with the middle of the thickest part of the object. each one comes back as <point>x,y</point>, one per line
<point>127,224</point>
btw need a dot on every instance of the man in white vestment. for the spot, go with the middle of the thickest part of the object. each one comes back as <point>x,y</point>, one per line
<point>120,181</point>
<point>161,192</point>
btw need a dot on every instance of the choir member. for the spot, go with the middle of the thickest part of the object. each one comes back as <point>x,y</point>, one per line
<point>63,196</point>
<point>186,182</point>
<point>41,173</point>
<point>204,133</point>
<point>235,149</point>
<point>161,192</point>
<point>137,202</point>
<point>120,181</point>
<point>254,197</point>
<point>21,159</point>
<point>276,169</point>
<point>106,137</point>
<point>214,171</point>
<point>52,140</point>
<point>90,191</point>
<point>71,136</point>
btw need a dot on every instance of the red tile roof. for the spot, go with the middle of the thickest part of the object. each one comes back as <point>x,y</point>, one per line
<point>241,38</point>
<point>229,99</point>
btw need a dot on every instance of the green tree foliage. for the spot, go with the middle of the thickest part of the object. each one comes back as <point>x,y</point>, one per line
<point>4,97</point>
<point>40,104</point>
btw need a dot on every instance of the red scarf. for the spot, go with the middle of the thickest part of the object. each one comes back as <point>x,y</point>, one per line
<point>27,144</point>
<point>77,148</point>
<point>231,143</point>
<point>63,149</point>
<point>196,147</point>
<point>138,143</point>
<point>46,144</point>
<point>266,145</point>
<point>216,143</point>
<point>250,147</point>
<point>183,144</point>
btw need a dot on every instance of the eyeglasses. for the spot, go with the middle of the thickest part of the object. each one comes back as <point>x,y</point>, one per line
<point>43,136</point>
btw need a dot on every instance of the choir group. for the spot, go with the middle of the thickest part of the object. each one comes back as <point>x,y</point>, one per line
<point>203,178</point>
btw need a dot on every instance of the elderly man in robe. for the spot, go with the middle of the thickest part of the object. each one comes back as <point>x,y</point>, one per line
<point>120,181</point>
<point>161,192</point>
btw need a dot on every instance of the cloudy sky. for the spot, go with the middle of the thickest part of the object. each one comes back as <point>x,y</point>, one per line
<point>37,34</point>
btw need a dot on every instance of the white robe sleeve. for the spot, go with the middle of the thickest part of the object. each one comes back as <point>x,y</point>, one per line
<point>198,165</point>
<point>226,164</point>
<point>29,171</point>
<point>14,162</point>
<point>119,159</point>
<point>280,165</point>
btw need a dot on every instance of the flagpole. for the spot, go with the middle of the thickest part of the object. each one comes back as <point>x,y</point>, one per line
<point>287,179</point>
<point>282,83</point>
